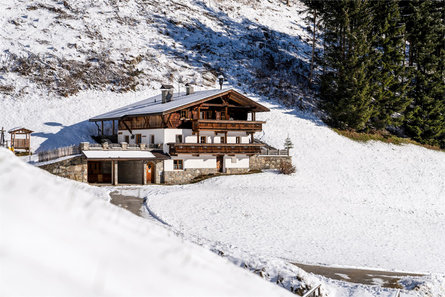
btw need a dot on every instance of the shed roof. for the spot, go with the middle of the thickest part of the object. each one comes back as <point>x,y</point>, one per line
<point>19,129</point>
<point>154,105</point>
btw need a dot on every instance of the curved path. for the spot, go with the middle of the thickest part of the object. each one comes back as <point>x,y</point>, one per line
<point>386,279</point>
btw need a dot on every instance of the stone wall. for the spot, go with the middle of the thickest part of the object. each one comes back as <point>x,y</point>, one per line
<point>268,162</point>
<point>186,175</point>
<point>74,168</point>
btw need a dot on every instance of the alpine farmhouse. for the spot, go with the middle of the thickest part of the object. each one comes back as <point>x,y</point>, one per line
<point>174,138</point>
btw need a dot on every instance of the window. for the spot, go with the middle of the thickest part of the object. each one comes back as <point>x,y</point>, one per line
<point>127,139</point>
<point>238,139</point>
<point>178,138</point>
<point>178,164</point>
<point>184,114</point>
<point>138,138</point>
<point>203,139</point>
<point>152,139</point>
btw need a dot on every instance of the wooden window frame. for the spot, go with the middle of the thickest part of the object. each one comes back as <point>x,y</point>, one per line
<point>178,164</point>
<point>127,138</point>
<point>201,138</point>
<point>178,138</point>
<point>138,139</point>
<point>152,139</point>
<point>238,139</point>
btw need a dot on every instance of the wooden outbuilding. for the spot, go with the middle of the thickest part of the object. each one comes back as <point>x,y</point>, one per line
<point>21,138</point>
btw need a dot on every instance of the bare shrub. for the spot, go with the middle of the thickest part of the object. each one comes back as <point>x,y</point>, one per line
<point>286,168</point>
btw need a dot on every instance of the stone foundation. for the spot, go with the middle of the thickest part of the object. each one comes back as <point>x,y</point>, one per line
<point>268,162</point>
<point>187,175</point>
<point>237,170</point>
<point>75,168</point>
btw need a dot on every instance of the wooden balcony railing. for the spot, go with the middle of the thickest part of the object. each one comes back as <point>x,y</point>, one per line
<point>215,148</point>
<point>230,125</point>
<point>20,143</point>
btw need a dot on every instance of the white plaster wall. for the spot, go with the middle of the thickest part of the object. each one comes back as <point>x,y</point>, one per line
<point>203,161</point>
<point>161,136</point>
<point>191,139</point>
<point>241,161</point>
<point>168,165</point>
<point>145,133</point>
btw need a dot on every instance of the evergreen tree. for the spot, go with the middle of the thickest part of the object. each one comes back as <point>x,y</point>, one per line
<point>425,117</point>
<point>313,19</point>
<point>346,85</point>
<point>288,144</point>
<point>389,79</point>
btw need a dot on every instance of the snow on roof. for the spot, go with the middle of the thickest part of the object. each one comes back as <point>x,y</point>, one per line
<point>154,105</point>
<point>19,128</point>
<point>118,154</point>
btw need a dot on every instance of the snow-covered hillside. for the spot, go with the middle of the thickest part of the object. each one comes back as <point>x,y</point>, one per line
<point>61,238</point>
<point>349,204</point>
<point>67,46</point>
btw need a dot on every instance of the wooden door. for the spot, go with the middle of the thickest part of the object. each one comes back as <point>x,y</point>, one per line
<point>219,163</point>
<point>150,173</point>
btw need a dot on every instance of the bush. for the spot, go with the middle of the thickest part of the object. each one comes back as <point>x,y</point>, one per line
<point>286,168</point>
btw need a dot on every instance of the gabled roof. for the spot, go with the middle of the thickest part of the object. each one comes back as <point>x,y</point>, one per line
<point>19,129</point>
<point>154,104</point>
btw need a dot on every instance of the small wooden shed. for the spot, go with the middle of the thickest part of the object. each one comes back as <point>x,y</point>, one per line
<point>21,138</point>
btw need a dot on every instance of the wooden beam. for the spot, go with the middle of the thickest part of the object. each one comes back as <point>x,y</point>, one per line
<point>126,126</point>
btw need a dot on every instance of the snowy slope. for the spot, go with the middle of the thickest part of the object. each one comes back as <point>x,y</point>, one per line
<point>66,46</point>
<point>61,238</point>
<point>349,203</point>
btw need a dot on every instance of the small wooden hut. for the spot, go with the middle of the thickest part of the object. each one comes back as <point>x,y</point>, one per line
<point>21,138</point>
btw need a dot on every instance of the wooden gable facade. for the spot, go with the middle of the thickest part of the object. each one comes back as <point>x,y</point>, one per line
<point>226,111</point>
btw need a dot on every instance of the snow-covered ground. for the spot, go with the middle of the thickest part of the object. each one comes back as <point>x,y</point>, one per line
<point>349,204</point>
<point>61,238</point>
<point>354,204</point>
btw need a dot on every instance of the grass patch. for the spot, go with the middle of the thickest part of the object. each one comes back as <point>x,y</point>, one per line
<point>383,137</point>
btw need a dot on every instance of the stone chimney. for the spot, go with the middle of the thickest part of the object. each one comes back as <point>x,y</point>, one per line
<point>167,93</point>
<point>189,89</point>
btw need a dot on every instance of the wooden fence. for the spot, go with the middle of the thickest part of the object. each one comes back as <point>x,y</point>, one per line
<point>268,152</point>
<point>314,292</point>
<point>58,153</point>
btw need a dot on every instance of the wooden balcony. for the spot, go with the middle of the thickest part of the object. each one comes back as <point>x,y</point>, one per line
<point>215,148</point>
<point>228,125</point>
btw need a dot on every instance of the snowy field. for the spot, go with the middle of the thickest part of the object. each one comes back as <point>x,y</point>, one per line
<point>350,204</point>
<point>61,238</point>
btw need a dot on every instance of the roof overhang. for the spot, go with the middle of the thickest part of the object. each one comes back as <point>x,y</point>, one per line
<point>118,155</point>
<point>233,95</point>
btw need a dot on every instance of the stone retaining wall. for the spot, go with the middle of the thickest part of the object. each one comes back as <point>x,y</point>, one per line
<point>187,175</point>
<point>74,168</point>
<point>268,162</point>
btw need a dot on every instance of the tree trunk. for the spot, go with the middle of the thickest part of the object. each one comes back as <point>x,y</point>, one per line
<point>313,47</point>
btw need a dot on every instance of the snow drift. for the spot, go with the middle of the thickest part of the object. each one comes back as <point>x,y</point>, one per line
<point>63,238</point>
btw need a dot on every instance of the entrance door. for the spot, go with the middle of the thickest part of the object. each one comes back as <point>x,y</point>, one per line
<point>219,163</point>
<point>150,173</point>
